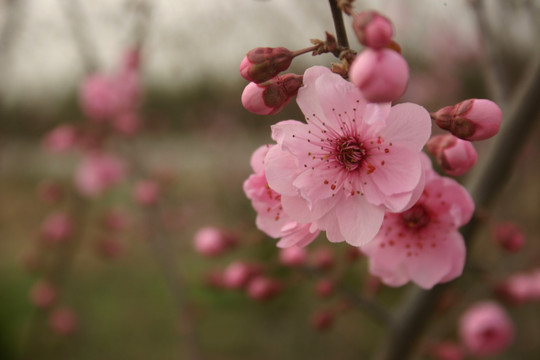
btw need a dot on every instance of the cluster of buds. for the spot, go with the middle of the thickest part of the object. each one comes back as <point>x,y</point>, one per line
<point>380,72</point>
<point>270,97</point>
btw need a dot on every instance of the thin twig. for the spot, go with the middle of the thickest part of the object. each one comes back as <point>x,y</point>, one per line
<point>496,74</point>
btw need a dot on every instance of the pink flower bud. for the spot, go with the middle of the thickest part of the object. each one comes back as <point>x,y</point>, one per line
<point>515,290</point>
<point>97,172</point>
<point>293,256</point>
<point>56,228</point>
<point>42,294</point>
<point>115,220</point>
<point>214,279</point>
<point>212,241</point>
<point>237,274</point>
<point>262,288</point>
<point>485,329</point>
<point>454,156</point>
<point>353,253</point>
<point>61,139</point>
<point>262,64</point>
<point>509,236</point>
<point>271,97</point>
<point>146,192</point>
<point>372,29</point>
<point>322,320</point>
<point>381,75</point>
<point>473,119</point>
<point>131,60</point>
<point>324,288</point>
<point>63,321</point>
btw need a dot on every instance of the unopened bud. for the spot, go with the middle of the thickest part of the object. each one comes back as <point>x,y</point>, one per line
<point>263,64</point>
<point>509,236</point>
<point>238,274</point>
<point>323,258</point>
<point>262,288</point>
<point>322,320</point>
<point>211,241</point>
<point>42,294</point>
<point>473,119</point>
<point>454,156</point>
<point>324,288</point>
<point>63,321</point>
<point>146,192</point>
<point>292,256</point>
<point>381,75</point>
<point>272,96</point>
<point>372,29</point>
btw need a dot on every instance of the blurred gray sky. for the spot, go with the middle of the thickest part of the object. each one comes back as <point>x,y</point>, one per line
<point>192,40</point>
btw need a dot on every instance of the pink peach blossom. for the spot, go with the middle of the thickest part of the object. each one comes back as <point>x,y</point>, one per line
<point>423,244</point>
<point>61,139</point>
<point>126,123</point>
<point>267,203</point>
<point>381,75</point>
<point>211,241</point>
<point>454,156</point>
<point>97,172</point>
<point>351,162</point>
<point>485,329</point>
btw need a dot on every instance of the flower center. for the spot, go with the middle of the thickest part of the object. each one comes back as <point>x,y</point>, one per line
<point>349,152</point>
<point>416,217</point>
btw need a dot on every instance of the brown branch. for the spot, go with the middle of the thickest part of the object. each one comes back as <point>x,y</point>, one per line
<point>337,16</point>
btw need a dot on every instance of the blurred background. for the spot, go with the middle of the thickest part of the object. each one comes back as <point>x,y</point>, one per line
<point>125,294</point>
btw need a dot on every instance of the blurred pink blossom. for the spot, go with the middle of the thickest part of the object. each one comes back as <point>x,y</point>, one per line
<point>293,256</point>
<point>509,236</point>
<point>56,228</point>
<point>146,192</point>
<point>97,172</point>
<point>237,274</point>
<point>43,294</point>
<point>212,241</point>
<point>485,329</point>
<point>63,321</point>
<point>262,288</point>
<point>60,139</point>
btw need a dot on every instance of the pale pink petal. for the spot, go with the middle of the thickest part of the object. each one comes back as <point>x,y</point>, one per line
<point>400,173</point>
<point>257,158</point>
<point>409,125</point>
<point>359,221</point>
<point>299,209</point>
<point>281,170</point>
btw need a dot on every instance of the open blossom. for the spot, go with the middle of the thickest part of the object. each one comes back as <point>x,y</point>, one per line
<point>60,139</point>
<point>423,244</point>
<point>267,203</point>
<point>97,172</point>
<point>350,163</point>
<point>486,329</point>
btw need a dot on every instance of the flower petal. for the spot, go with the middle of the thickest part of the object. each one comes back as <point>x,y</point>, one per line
<point>409,125</point>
